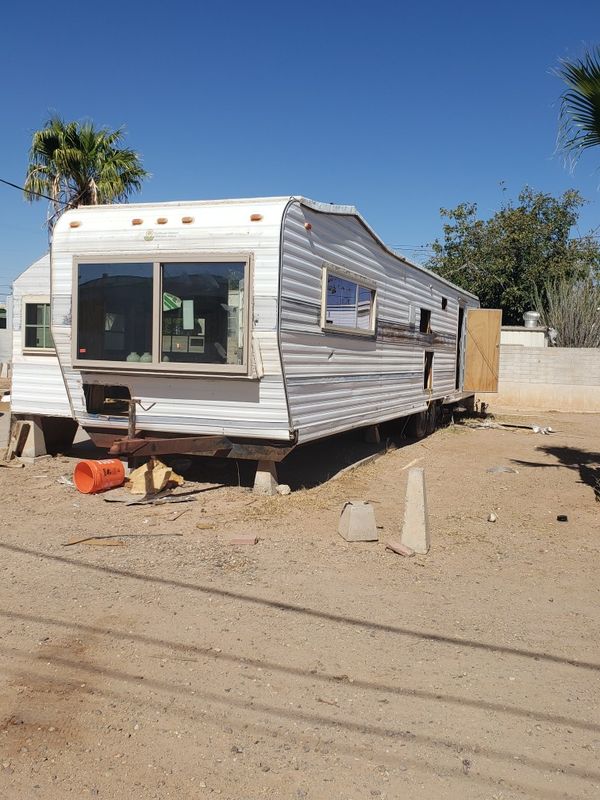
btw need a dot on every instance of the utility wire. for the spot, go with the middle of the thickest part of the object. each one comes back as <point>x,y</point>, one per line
<point>37,194</point>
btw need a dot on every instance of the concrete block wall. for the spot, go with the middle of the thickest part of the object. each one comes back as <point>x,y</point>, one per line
<point>547,379</point>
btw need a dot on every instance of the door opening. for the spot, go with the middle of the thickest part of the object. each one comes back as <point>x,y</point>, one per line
<point>428,372</point>
<point>459,345</point>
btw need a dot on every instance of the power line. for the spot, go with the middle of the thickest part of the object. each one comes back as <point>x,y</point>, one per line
<point>37,194</point>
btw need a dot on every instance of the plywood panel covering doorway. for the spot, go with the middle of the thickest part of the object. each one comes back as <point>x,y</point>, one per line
<point>482,355</point>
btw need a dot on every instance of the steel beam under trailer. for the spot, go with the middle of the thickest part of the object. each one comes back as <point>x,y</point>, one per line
<point>218,446</point>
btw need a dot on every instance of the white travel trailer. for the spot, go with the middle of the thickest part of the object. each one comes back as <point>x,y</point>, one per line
<point>5,335</point>
<point>38,390</point>
<point>246,327</point>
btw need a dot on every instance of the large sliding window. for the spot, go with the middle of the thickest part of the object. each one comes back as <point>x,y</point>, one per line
<point>185,315</point>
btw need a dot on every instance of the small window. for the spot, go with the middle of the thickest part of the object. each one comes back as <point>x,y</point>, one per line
<point>37,327</point>
<point>425,321</point>
<point>349,305</point>
<point>2,319</point>
<point>444,303</point>
<point>428,372</point>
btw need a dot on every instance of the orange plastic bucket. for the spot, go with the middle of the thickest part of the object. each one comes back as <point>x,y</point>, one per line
<point>97,476</point>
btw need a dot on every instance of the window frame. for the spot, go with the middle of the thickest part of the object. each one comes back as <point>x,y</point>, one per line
<point>156,259</point>
<point>35,300</point>
<point>328,269</point>
<point>3,316</point>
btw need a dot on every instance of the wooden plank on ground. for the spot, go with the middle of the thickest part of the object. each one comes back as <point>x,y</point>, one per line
<point>18,437</point>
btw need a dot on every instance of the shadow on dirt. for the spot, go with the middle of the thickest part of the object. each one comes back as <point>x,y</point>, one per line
<point>585,462</point>
<point>307,466</point>
<point>296,609</point>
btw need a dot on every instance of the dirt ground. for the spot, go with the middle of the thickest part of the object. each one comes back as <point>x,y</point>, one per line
<point>170,664</point>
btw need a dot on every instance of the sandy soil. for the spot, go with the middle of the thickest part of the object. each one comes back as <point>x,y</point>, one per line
<point>178,666</point>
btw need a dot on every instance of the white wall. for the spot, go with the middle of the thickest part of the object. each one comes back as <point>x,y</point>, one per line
<point>6,334</point>
<point>526,337</point>
<point>37,382</point>
<point>547,379</point>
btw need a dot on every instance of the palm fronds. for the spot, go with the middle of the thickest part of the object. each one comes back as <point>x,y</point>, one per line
<point>580,104</point>
<point>79,164</point>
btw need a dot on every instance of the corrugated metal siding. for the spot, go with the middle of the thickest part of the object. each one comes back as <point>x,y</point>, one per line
<point>337,381</point>
<point>37,382</point>
<point>198,405</point>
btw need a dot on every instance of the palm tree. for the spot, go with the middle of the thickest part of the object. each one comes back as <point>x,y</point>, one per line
<point>76,164</point>
<point>580,104</point>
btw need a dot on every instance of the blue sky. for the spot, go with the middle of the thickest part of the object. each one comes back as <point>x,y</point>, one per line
<point>397,108</point>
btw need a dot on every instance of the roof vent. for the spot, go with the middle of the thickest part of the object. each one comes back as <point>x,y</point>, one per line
<point>531,319</point>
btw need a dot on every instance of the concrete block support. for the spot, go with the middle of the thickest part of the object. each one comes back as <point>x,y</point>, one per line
<point>357,522</point>
<point>372,435</point>
<point>265,481</point>
<point>415,530</point>
<point>35,444</point>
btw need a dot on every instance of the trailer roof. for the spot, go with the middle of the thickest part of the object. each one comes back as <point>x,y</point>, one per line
<point>283,201</point>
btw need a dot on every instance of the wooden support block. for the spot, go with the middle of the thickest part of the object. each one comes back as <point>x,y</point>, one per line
<point>18,437</point>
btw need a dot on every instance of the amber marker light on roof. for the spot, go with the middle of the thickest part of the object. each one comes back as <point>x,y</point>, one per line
<point>187,220</point>
<point>162,221</point>
<point>137,221</point>
<point>255,217</point>
<point>74,224</point>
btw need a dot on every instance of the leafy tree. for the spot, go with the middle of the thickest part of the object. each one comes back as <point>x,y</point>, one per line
<point>523,246</point>
<point>78,164</point>
<point>580,104</point>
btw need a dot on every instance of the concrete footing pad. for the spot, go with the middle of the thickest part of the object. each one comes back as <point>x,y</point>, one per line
<point>415,530</point>
<point>372,434</point>
<point>35,444</point>
<point>357,522</point>
<point>265,481</point>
